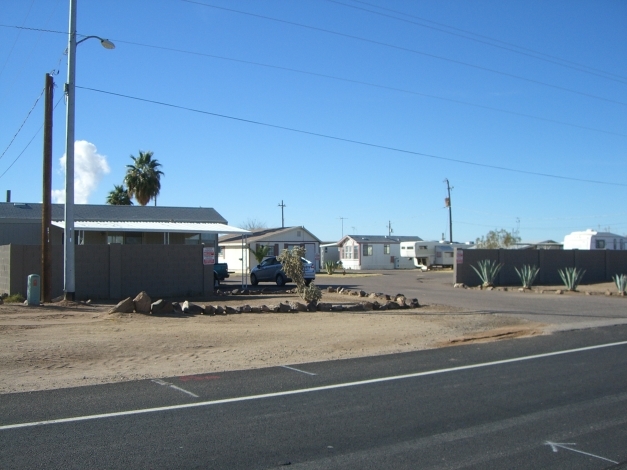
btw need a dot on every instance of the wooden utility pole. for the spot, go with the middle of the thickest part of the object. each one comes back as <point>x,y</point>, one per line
<point>447,203</point>
<point>46,276</point>
<point>282,206</point>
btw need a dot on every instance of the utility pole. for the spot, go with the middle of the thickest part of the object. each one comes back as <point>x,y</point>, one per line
<point>343,219</point>
<point>447,203</point>
<point>390,228</point>
<point>282,216</point>
<point>46,277</point>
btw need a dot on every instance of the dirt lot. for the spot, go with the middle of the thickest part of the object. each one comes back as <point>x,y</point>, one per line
<point>57,346</point>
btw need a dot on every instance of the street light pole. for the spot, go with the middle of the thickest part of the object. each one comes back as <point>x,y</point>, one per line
<point>69,287</point>
<point>69,278</point>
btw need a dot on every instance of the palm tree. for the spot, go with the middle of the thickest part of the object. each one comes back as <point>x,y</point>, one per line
<point>119,196</point>
<point>143,178</point>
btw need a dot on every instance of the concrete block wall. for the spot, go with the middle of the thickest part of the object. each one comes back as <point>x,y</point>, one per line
<point>600,265</point>
<point>5,269</point>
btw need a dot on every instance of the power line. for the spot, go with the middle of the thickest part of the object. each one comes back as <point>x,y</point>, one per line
<point>29,142</point>
<point>23,122</point>
<point>352,141</point>
<point>370,84</point>
<point>531,53</point>
<point>406,49</point>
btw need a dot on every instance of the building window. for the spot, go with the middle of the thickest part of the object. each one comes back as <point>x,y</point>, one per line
<point>133,238</point>
<point>367,250</point>
<point>192,238</point>
<point>115,238</point>
<point>348,252</point>
<point>386,249</point>
<point>356,252</point>
<point>600,244</point>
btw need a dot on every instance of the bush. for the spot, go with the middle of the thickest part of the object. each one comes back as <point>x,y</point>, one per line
<point>487,272</point>
<point>621,283</point>
<point>527,275</point>
<point>15,298</point>
<point>293,267</point>
<point>571,277</point>
<point>331,266</point>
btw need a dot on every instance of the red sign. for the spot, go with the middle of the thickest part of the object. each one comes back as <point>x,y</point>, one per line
<point>208,255</point>
<point>460,256</point>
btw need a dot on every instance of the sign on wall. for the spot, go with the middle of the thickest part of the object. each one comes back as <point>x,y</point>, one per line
<point>460,256</point>
<point>208,255</point>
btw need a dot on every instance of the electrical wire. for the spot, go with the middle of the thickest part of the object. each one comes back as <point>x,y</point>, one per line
<point>23,122</point>
<point>534,54</point>
<point>29,142</point>
<point>16,39</point>
<point>370,84</point>
<point>407,49</point>
<point>352,141</point>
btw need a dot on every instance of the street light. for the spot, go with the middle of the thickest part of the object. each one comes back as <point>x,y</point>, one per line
<point>69,285</point>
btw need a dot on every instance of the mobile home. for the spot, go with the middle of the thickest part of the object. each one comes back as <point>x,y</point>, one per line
<point>426,255</point>
<point>593,240</point>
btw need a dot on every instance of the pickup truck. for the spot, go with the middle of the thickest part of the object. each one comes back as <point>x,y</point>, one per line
<point>220,273</point>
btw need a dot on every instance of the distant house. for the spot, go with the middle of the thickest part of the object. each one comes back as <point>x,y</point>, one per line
<point>374,252</point>
<point>543,245</point>
<point>593,240</point>
<point>236,249</point>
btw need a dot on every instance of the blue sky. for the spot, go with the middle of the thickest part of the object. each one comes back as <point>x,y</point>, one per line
<point>522,105</point>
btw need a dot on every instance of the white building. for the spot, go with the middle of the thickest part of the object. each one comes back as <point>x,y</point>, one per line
<point>374,252</point>
<point>236,250</point>
<point>593,240</point>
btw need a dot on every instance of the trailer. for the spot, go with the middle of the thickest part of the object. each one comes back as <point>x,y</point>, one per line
<point>430,255</point>
<point>593,240</point>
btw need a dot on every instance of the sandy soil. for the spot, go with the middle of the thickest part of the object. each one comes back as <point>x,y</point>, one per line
<point>56,346</point>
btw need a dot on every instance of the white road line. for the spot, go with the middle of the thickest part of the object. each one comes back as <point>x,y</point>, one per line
<point>564,445</point>
<point>161,382</point>
<point>298,370</point>
<point>308,390</point>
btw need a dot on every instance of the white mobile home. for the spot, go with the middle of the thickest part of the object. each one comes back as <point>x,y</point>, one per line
<point>373,252</point>
<point>593,240</point>
<point>424,255</point>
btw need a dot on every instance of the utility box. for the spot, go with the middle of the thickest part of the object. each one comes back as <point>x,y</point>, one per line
<point>33,293</point>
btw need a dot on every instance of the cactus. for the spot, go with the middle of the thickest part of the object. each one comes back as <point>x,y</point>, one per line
<point>571,277</point>
<point>487,272</point>
<point>527,275</point>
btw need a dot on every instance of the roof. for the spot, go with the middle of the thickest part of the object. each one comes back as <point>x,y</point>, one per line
<point>261,235</point>
<point>109,213</point>
<point>380,239</point>
<point>169,227</point>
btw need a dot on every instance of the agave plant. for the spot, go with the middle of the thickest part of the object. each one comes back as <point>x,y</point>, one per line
<point>527,275</point>
<point>487,272</point>
<point>621,283</point>
<point>571,277</point>
<point>331,266</point>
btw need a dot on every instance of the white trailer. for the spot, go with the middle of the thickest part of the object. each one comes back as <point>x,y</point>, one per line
<point>429,255</point>
<point>593,240</point>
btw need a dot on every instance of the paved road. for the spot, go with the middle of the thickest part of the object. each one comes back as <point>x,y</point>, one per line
<point>565,311</point>
<point>541,402</point>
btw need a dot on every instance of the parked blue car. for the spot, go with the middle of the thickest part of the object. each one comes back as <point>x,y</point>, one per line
<point>271,270</point>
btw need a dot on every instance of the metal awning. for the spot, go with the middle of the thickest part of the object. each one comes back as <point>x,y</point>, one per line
<point>169,227</point>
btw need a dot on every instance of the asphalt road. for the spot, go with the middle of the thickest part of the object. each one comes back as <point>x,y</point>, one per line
<point>556,401</point>
<point>435,287</point>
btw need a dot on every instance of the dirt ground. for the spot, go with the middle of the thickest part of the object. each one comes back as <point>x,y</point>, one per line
<point>55,346</point>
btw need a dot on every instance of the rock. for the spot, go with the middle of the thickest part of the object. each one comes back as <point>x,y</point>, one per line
<point>331,290</point>
<point>354,292</point>
<point>1,301</point>
<point>210,310</point>
<point>176,307</point>
<point>362,293</point>
<point>460,285</point>
<point>312,306</point>
<point>161,307</point>
<point>608,293</point>
<point>142,302</point>
<point>521,289</point>
<point>124,306</point>
<point>194,309</point>
<point>265,308</point>
<point>414,303</point>
<point>185,307</point>
<point>376,305</point>
<point>323,306</point>
<point>284,308</point>
<point>401,301</point>
<point>337,308</point>
<point>245,292</point>
<point>559,292</point>
<point>88,302</point>
<point>255,310</point>
<point>489,288</point>
<point>298,306</point>
<point>367,306</point>
<point>229,310</point>
<point>219,310</point>
<point>355,308</point>
<point>235,292</point>
<point>372,295</point>
<point>246,309</point>
<point>391,305</point>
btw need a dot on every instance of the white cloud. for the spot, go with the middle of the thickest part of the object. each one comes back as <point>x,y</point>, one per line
<point>89,168</point>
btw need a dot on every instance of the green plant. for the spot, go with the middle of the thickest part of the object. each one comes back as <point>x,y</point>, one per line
<point>621,283</point>
<point>571,277</point>
<point>331,266</point>
<point>293,268</point>
<point>260,252</point>
<point>527,275</point>
<point>487,272</point>
<point>15,298</point>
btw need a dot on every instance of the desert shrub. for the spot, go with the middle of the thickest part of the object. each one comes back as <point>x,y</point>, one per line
<point>331,266</point>
<point>293,267</point>
<point>487,271</point>
<point>15,298</point>
<point>621,283</point>
<point>527,275</point>
<point>571,277</point>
